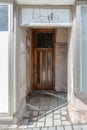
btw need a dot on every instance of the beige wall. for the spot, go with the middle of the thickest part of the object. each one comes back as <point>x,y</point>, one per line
<point>62,35</point>
<point>61,59</point>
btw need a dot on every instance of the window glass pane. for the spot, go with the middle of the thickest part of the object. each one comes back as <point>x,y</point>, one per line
<point>44,40</point>
<point>38,40</point>
<point>50,40</point>
<point>84,48</point>
<point>49,67</point>
<point>38,67</point>
<point>4,18</point>
<point>43,67</point>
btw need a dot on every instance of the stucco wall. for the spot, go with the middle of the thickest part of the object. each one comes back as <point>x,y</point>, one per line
<point>62,35</point>
<point>61,59</point>
<point>77,104</point>
<point>28,62</point>
<point>21,71</point>
<point>70,71</point>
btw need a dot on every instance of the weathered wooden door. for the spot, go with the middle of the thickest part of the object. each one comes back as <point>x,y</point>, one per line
<point>43,61</point>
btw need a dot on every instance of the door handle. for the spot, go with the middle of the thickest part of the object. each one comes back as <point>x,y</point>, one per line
<point>35,69</point>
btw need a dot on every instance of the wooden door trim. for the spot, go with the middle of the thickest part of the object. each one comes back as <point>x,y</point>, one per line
<point>44,49</point>
<point>53,56</point>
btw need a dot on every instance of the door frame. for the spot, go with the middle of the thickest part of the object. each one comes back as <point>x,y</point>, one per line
<point>32,54</point>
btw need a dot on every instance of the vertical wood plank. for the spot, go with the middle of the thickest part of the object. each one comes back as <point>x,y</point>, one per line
<point>51,68</point>
<point>35,64</point>
<point>46,67</point>
<point>40,66</point>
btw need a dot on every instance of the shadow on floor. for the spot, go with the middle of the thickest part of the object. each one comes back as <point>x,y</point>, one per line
<point>43,108</point>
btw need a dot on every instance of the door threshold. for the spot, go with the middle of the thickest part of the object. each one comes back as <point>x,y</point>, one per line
<point>41,92</point>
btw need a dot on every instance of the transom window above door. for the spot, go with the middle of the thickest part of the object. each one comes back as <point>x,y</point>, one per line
<point>43,40</point>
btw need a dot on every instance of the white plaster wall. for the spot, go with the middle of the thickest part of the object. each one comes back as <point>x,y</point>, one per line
<point>4,102</point>
<point>20,71</point>
<point>71,72</point>
<point>23,72</point>
<point>70,65</point>
<point>61,59</point>
<point>77,105</point>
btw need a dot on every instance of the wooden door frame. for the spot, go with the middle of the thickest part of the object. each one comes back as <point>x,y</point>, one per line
<point>32,54</point>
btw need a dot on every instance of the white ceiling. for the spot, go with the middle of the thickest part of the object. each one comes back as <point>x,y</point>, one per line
<point>45,2</point>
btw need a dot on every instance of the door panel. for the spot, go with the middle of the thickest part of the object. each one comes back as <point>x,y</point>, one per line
<point>43,68</point>
<point>43,60</point>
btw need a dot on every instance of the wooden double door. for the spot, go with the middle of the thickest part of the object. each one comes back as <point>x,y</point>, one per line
<point>43,60</point>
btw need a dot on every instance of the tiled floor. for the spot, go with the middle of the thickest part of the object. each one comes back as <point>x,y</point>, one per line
<point>46,111</point>
<point>45,101</point>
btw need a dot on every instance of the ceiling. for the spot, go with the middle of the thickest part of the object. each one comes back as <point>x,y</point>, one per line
<point>45,2</point>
